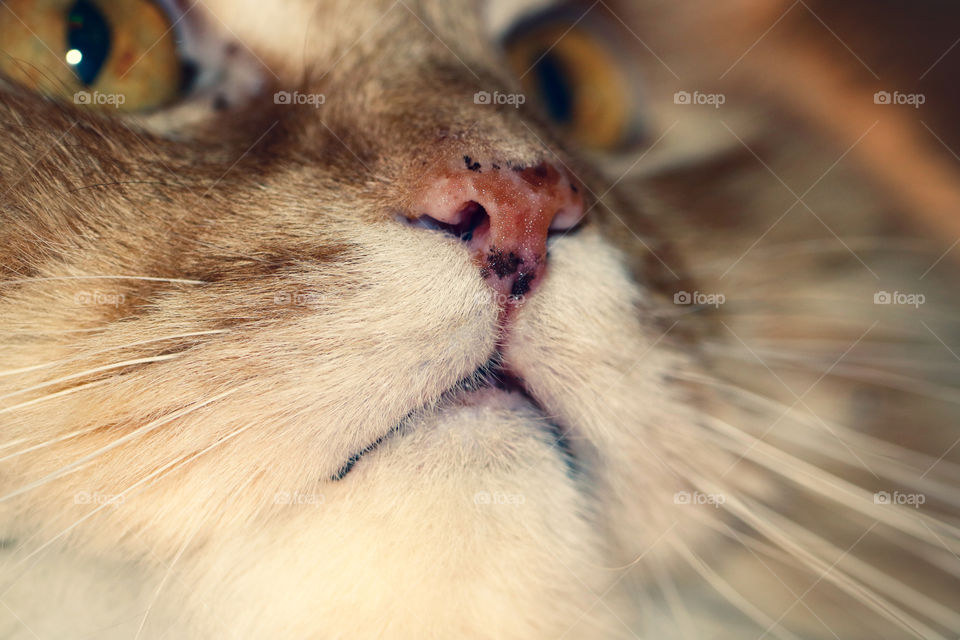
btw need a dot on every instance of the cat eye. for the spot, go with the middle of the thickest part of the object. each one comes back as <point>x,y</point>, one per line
<point>575,71</point>
<point>101,53</point>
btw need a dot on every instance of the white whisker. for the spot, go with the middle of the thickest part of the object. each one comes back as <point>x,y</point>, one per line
<point>116,443</point>
<point>170,466</point>
<point>81,374</point>
<point>50,396</point>
<point>877,377</point>
<point>831,487</point>
<point>900,464</point>
<point>731,595</point>
<point>102,277</point>
<point>166,576</point>
<point>766,522</point>
<point>863,571</point>
<point>82,356</point>
<point>47,443</point>
<point>668,587</point>
<point>818,246</point>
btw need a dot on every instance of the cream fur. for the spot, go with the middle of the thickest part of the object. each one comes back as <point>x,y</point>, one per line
<point>170,457</point>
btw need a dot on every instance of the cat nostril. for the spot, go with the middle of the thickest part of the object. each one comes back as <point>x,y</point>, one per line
<point>470,219</point>
<point>503,212</point>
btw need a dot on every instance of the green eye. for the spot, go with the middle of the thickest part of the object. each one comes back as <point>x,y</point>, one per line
<point>88,41</point>
<point>97,52</point>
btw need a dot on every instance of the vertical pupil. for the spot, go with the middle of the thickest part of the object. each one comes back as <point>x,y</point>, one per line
<point>555,90</point>
<point>89,34</point>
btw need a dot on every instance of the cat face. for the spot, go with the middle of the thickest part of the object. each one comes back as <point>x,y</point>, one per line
<point>369,334</point>
<point>394,303</point>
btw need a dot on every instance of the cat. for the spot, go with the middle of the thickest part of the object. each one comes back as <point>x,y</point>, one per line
<point>378,328</point>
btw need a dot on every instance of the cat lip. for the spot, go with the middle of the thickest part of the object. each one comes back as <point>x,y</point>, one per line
<point>492,375</point>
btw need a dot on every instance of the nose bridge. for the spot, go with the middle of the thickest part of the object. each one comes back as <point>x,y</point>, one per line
<point>421,75</point>
<point>446,81</point>
<point>461,162</point>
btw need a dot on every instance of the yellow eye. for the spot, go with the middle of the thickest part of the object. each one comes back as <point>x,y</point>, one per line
<point>577,77</point>
<point>98,52</point>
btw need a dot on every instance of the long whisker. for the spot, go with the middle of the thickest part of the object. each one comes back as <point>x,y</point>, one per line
<point>900,464</point>
<point>36,332</point>
<point>116,443</point>
<point>81,374</point>
<point>863,571</point>
<point>166,576</point>
<point>170,466</point>
<point>678,610</point>
<point>831,487</point>
<point>824,351</point>
<point>878,377</point>
<point>769,302</point>
<point>51,396</point>
<point>751,543</point>
<point>751,514</point>
<point>52,441</point>
<point>82,356</point>
<point>731,595</point>
<point>102,277</point>
<point>773,256</point>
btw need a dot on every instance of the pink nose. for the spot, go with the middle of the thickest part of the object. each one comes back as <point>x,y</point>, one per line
<point>503,213</point>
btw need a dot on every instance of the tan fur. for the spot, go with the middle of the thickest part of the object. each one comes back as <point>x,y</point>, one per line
<point>273,318</point>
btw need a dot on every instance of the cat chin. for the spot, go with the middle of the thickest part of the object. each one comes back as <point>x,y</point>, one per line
<point>471,520</point>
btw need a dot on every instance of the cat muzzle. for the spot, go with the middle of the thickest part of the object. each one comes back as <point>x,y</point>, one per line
<point>504,213</point>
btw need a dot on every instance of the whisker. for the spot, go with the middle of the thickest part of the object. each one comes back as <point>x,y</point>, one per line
<point>750,514</point>
<point>102,277</point>
<point>81,387</point>
<point>50,396</point>
<point>170,466</point>
<point>678,610</point>
<point>775,553</point>
<point>830,486</point>
<point>900,463</point>
<point>821,246</point>
<point>824,352</point>
<point>877,377</point>
<point>166,576</point>
<point>55,363</point>
<point>800,306</point>
<point>116,443</point>
<point>57,332</point>
<point>47,443</point>
<point>861,570</point>
<point>73,376</point>
<point>731,595</point>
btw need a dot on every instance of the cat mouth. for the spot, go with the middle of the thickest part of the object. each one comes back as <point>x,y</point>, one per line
<point>494,375</point>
